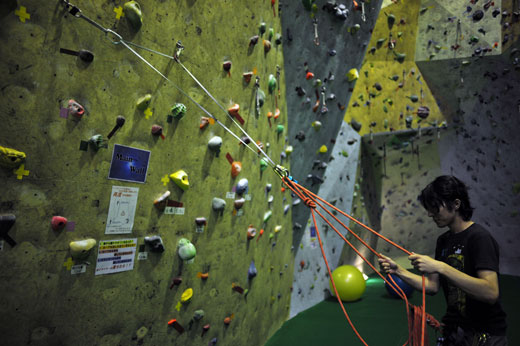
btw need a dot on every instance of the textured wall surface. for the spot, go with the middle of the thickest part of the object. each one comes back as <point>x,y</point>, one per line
<point>43,304</point>
<point>311,284</point>
<point>349,48</point>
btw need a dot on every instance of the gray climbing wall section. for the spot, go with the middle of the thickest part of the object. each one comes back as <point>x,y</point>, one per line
<point>311,283</point>
<point>318,92</point>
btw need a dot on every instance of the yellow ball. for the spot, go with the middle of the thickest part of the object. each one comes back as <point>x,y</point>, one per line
<point>349,283</point>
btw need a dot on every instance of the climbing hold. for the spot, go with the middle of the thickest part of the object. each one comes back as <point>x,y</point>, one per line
<point>277,228</point>
<point>251,232</point>
<point>247,77</point>
<point>239,203</point>
<point>378,86</point>
<point>143,102</point>
<point>354,29</point>
<point>355,125</point>
<point>200,222</point>
<point>289,149</point>
<point>308,76</point>
<point>423,112</point>
<point>84,55</point>
<point>214,144</point>
<point>133,14</point>
<point>251,272</point>
<point>408,121</point>
<point>75,109</point>
<point>300,91</point>
<point>236,168</point>
<point>58,223</point>
<point>186,249</point>
<point>155,242</point>
<point>399,57</point>
<point>279,129</point>
<point>11,158</point>
<point>157,131</point>
<point>177,111</point>
<point>323,149</point>
<point>262,28</point>
<point>278,39</point>
<point>120,121</point>
<point>253,40</point>
<point>272,83</point>
<point>159,201</point>
<point>316,125</point>
<point>478,15</point>
<point>270,34</point>
<point>242,186</point>
<point>226,65</point>
<point>263,164</point>
<point>80,249</point>
<point>181,179</point>
<point>218,204</point>
<point>300,136</point>
<point>267,215</point>
<point>414,98</point>
<point>352,74</point>
<point>390,19</point>
<point>267,46</point>
<point>187,295</point>
<point>198,315</point>
<point>97,142</point>
<point>233,111</point>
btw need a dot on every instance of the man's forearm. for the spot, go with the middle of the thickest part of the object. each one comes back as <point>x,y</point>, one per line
<point>415,280</point>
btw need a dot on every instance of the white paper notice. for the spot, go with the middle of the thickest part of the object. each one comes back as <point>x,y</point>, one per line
<point>121,212</point>
<point>116,256</point>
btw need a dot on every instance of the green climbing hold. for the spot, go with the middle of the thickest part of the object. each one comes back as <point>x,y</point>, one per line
<point>355,29</point>
<point>178,111</point>
<point>272,83</point>
<point>271,33</point>
<point>263,164</point>
<point>279,129</point>
<point>133,14</point>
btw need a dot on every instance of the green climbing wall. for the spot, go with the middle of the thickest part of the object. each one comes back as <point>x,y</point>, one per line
<point>43,303</point>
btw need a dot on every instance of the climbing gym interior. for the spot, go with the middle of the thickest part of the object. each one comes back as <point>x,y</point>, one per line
<point>195,172</point>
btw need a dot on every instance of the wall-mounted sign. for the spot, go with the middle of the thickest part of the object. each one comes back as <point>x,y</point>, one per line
<point>116,256</point>
<point>121,211</point>
<point>129,164</point>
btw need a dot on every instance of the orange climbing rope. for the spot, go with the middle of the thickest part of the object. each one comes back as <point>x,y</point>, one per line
<point>417,322</point>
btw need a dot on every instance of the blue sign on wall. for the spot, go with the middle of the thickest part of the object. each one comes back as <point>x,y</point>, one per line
<point>129,164</point>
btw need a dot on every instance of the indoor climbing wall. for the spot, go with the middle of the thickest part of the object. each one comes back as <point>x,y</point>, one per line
<point>459,64</point>
<point>323,41</point>
<point>390,93</point>
<point>478,94</point>
<point>125,216</point>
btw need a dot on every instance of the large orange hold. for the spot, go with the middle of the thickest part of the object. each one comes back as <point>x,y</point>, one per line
<point>236,168</point>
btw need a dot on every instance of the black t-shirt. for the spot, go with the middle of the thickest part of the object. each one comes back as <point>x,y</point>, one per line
<point>469,251</point>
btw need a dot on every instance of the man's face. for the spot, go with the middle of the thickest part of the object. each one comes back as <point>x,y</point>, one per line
<point>443,217</point>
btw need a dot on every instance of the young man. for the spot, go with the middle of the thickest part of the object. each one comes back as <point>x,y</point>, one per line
<point>465,266</point>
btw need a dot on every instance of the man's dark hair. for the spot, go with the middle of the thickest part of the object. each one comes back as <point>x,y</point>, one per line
<point>443,191</point>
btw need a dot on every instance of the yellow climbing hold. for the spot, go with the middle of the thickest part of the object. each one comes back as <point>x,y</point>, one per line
<point>323,149</point>
<point>186,295</point>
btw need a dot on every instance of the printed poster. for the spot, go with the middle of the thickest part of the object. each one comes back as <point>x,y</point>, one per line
<point>129,164</point>
<point>121,211</point>
<point>116,256</point>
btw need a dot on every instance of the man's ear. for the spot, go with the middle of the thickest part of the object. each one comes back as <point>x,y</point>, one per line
<point>456,204</point>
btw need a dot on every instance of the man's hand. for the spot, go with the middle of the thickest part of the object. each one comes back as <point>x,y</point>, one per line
<point>387,265</point>
<point>425,264</point>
